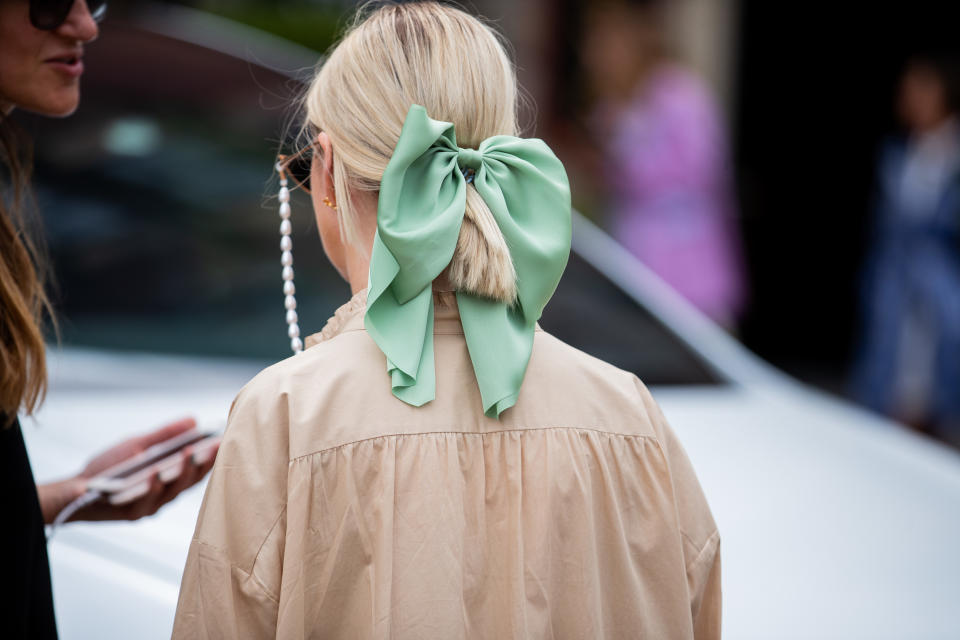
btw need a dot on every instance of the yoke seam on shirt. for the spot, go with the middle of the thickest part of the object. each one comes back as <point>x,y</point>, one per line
<point>472,433</point>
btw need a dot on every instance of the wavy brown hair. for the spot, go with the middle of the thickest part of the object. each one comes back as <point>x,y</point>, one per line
<point>24,305</point>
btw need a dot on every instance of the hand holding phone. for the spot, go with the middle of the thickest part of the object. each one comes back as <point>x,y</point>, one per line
<point>173,453</point>
<point>131,479</point>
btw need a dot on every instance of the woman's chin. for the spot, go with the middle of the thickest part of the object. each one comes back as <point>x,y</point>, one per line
<point>61,110</point>
<point>56,105</point>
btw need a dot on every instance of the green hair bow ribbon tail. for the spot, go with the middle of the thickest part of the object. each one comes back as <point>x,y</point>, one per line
<point>421,207</point>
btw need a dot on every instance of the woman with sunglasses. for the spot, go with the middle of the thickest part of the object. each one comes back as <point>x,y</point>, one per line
<point>41,61</point>
<point>432,464</point>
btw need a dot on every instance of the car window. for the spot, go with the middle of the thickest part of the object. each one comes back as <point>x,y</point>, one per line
<point>175,248</point>
<point>594,315</point>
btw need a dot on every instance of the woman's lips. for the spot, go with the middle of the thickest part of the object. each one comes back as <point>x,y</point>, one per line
<point>68,65</point>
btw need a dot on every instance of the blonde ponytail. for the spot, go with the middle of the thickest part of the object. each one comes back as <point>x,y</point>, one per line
<point>455,67</point>
<point>481,262</point>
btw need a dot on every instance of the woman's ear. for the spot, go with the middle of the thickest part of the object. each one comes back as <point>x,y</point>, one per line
<point>324,200</point>
<point>326,152</point>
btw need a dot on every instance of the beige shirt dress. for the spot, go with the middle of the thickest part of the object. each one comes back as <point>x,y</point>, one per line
<point>335,510</point>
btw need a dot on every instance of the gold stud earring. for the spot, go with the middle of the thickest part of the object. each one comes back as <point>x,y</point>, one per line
<point>330,204</point>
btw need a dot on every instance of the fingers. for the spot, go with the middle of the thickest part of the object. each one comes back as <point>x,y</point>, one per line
<point>187,478</point>
<point>132,446</point>
<point>194,473</point>
<point>165,433</point>
<point>207,456</point>
<point>207,465</point>
<point>158,493</point>
<point>148,504</point>
<point>190,475</point>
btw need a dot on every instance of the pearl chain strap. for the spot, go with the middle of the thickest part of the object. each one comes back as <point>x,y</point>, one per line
<point>286,260</point>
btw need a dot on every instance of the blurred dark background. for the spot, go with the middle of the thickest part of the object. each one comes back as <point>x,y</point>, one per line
<point>815,98</point>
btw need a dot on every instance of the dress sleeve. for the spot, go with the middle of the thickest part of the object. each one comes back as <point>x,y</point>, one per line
<point>231,582</point>
<point>703,578</point>
<point>701,539</point>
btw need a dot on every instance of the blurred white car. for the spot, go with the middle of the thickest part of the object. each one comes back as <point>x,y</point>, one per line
<point>835,523</point>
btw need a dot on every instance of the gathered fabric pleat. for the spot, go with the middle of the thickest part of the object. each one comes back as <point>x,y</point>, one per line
<point>503,534</point>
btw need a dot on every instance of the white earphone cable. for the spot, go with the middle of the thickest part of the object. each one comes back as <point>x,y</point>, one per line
<point>86,499</point>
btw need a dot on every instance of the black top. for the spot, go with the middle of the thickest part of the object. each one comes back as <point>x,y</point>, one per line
<point>26,602</point>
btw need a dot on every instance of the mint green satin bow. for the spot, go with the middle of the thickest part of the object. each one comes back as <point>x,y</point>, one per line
<point>422,200</point>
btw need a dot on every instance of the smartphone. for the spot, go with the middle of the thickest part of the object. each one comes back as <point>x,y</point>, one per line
<point>130,479</point>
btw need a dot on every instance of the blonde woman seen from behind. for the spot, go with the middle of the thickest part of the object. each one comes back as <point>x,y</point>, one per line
<point>433,464</point>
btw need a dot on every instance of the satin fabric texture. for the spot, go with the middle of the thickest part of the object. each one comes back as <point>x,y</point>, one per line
<point>420,211</point>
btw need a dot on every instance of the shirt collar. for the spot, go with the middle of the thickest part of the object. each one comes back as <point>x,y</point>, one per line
<point>349,317</point>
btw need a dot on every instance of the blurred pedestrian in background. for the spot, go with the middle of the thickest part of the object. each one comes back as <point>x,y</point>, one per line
<point>668,166</point>
<point>41,52</point>
<point>908,365</point>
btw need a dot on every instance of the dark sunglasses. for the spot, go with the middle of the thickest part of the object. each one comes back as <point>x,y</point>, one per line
<point>47,15</point>
<point>297,167</point>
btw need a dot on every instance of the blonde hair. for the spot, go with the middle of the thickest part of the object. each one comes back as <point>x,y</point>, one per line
<point>455,67</point>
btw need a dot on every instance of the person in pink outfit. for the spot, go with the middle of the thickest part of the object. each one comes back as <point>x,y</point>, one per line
<point>668,165</point>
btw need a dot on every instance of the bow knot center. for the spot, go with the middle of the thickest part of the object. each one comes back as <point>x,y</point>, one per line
<point>469,158</point>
